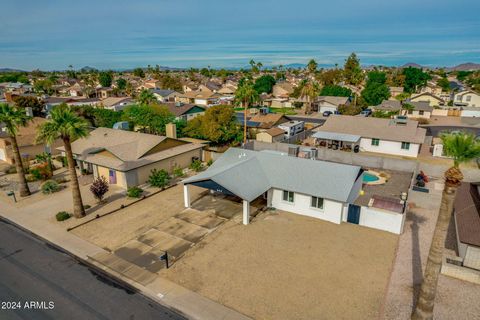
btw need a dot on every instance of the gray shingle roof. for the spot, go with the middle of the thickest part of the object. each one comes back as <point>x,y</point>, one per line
<point>248,174</point>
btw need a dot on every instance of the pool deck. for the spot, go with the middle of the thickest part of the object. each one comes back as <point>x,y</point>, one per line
<point>397,182</point>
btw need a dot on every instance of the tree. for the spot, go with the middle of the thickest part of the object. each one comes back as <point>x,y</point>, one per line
<point>375,90</point>
<point>415,78</point>
<point>264,84</point>
<point>24,102</point>
<point>444,84</point>
<point>330,77</point>
<point>150,118</point>
<point>99,188</point>
<point>43,86</point>
<point>462,147</point>
<point>66,125</point>
<point>105,78</point>
<point>352,71</point>
<point>309,91</point>
<point>312,67</point>
<point>256,66</point>
<point>245,96</point>
<point>138,72</point>
<point>218,125</point>
<point>121,84</point>
<point>106,117</point>
<point>158,178</point>
<point>13,118</point>
<point>336,91</point>
<point>146,97</point>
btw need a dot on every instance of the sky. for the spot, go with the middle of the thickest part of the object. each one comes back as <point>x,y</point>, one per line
<point>121,34</point>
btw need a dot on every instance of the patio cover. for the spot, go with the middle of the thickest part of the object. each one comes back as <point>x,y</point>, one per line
<point>336,136</point>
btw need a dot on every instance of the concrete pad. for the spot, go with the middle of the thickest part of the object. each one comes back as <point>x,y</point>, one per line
<point>120,265</point>
<point>157,266</point>
<point>207,219</point>
<point>154,237</point>
<point>132,250</point>
<point>140,275</point>
<point>105,258</point>
<point>182,229</point>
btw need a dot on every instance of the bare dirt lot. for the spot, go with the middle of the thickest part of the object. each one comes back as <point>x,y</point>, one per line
<point>287,266</point>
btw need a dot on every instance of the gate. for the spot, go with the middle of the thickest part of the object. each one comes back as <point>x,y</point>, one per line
<point>353,214</point>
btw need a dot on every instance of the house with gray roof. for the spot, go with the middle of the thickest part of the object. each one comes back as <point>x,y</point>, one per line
<point>308,187</point>
<point>417,109</point>
<point>331,103</point>
<point>165,95</point>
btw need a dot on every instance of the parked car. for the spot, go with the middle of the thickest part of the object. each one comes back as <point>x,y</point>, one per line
<point>366,113</point>
<point>328,113</point>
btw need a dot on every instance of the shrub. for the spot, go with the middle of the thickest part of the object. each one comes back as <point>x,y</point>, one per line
<point>134,192</point>
<point>41,172</point>
<point>159,178</point>
<point>62,215</point>
<point>87,206</point>
<point>99,187</point>
<point>196,165</point>
<point>178,172</point>
<point>49,186</point>
<point>210,162</point>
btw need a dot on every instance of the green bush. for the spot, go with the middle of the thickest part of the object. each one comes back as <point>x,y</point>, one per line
<point>62,215</point>
<point>210,162</point>
<point>134,192</point>
<point>49,186</point>
<point>158,178</point>
<point>196,165</point>
<point>87,206</point>
<point>178,172</point>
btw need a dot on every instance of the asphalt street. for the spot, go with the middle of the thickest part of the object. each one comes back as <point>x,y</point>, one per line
<point>40,282</point>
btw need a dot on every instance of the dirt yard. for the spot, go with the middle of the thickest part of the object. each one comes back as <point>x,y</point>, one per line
<point>287,266</point>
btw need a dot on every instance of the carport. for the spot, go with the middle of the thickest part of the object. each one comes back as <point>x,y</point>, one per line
<point>336,140</point>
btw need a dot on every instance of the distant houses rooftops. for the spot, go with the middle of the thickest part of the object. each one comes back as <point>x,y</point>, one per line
<point>389,105</point>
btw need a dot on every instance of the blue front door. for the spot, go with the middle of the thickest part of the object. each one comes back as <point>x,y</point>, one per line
<point>353,214</point>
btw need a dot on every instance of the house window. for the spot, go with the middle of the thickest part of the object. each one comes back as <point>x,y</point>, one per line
<point>317,203</point>
<point>421,112</point>
<point>375,142</point>
<point>405,145</point>
<point>288,196</point>
<point>469,98</point>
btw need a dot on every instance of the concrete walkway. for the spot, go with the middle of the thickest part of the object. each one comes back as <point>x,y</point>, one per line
<point>35,218</point>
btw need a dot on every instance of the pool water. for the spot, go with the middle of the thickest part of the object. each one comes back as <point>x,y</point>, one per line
<point>368,177</point>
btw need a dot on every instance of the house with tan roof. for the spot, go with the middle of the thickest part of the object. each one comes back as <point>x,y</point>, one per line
<point>399,136</point>
<point>126,158</point>
<point>26,140</point>
<point>433,100</point>
<point>271,135</point>
<point>331,103</point>
<point>116,103</point>
<point>282,89</point>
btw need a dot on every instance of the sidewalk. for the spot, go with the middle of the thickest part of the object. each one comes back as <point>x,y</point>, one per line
<point>165,292</point>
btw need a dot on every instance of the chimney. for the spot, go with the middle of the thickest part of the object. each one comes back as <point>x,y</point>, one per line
<point>171,130</point>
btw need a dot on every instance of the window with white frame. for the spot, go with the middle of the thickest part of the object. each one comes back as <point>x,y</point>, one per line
<point>317,203</point>
<point>288,196</point>
<point>375,142</point>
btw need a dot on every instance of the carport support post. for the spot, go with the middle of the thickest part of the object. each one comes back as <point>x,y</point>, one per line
<point>246,212</point>
<point>186,196</point>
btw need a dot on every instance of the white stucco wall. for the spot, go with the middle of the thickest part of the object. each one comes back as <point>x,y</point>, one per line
<point>472,258</point>
<point>381,219</point>
<point>470,113</point>
<point>332,210</point>
<point>389,147</point>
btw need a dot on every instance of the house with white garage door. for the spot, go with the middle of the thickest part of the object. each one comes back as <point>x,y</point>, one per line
<point>398,136</point>
<point>319,189</point>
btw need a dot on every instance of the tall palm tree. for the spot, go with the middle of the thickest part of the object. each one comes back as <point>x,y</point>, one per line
<point>462,147</point>
<point>13,118</point>
<point>245,96</point>
<point>309,90</point>
<point>66,125</point>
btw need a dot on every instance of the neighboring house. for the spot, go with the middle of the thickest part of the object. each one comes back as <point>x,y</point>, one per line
<point>395,91</point>
<point>269,120</point>
<point>398,136</point>
<point>319,189</point>
<point>104,92</point>
<point>467,224</point>
<point>421,109</point>
<point>150,84</point>
<point>433,100</point>
<point>331,103</point>
<point>271,135</point>
<point>126,158</point>
<point>202,98</point>
<point>185,111</point>
<point>467,99</point>
<point>26,139</point>
<point>282,89</point>
<point>227,89</point>
<point>292,128</point>
<point>117,103</point>
<point>388,106</point>
<point>432,88</point>
<point>76,90</point>
<point>165,95</point>
<point>51,102</point>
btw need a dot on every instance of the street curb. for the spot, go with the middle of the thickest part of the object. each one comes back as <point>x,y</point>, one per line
<point>96,268</point>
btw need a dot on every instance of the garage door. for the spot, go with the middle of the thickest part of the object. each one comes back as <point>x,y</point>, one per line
<point>2,155</point>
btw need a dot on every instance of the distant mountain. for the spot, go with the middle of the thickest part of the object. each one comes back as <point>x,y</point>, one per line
<point>469,66</point>
<point>11,70</point>
<point>413,65</point>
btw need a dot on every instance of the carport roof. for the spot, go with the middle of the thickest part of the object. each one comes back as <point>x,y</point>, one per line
<point>336,136</point>
<point>248,174</point>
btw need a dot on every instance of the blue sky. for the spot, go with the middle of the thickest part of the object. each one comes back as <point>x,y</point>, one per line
<point>52,34</point>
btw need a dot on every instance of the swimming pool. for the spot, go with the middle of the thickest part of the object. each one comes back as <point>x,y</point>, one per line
<point>369,177</point>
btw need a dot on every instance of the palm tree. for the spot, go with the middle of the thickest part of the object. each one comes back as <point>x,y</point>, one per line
<point>13,118</point>
<point>312,67</point>
<point>309,90</point>
<point>146,97</point>
<point>245,96</point>
<point>462,147</point>
<point>66,125</point>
